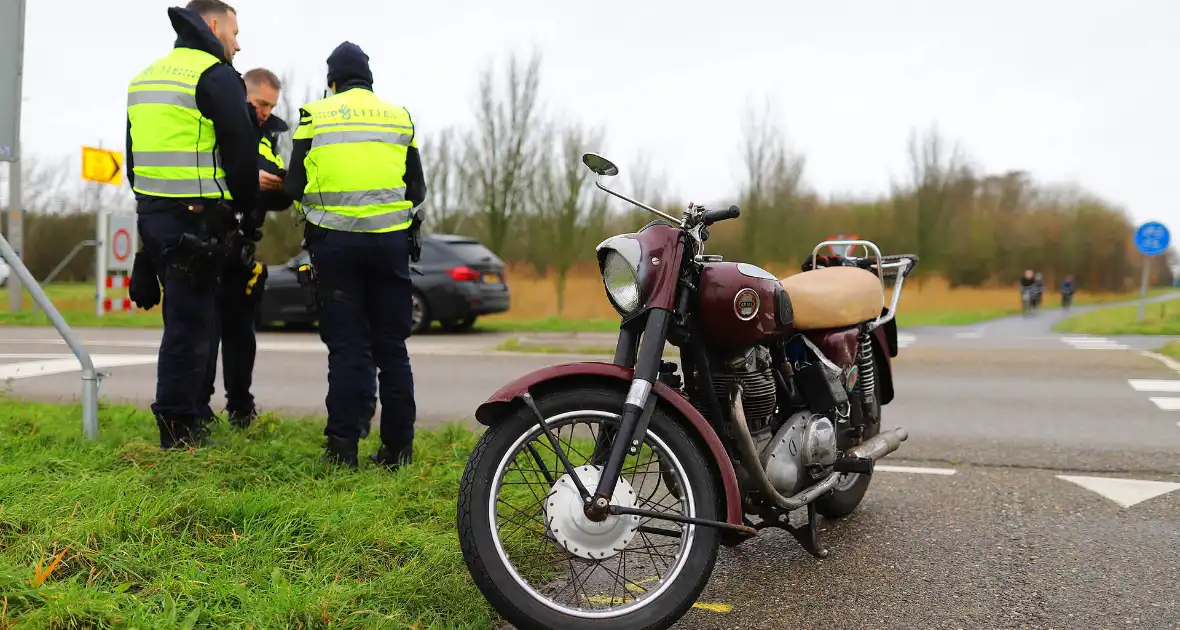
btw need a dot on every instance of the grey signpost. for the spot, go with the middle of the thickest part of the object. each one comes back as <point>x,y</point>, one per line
<point>1151,239</point>
<point>12,44</point>
<point>12,41</point>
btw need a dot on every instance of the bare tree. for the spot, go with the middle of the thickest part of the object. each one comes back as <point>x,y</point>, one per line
<point>773,175</point>
<point>932,173</point>
<point>444,183</point>
<point>571,215</point>
<point>501,152</point>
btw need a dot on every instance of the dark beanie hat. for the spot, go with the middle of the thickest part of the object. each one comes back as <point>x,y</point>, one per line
<point>348,61</point>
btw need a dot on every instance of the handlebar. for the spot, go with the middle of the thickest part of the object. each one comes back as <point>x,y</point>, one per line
<point>709,217</point>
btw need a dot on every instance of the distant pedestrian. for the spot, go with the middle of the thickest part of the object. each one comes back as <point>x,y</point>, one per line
<point>1067,291</point>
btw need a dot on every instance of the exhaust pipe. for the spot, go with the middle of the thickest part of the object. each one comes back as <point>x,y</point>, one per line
<point>875,448</point>
<point>880,445</point>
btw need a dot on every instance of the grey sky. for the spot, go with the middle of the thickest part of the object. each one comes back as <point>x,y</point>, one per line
<point>1074,91</point>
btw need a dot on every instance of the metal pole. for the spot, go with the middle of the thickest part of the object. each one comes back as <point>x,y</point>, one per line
<point>1143,286</point>
<point>15,212</point>
<point>65,261</point>
<point>62,265</point>
<point>100,261</point>
<point>89,376</point>
<point>15,233</point>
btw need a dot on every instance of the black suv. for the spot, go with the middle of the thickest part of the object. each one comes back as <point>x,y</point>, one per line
<point>456,281</point>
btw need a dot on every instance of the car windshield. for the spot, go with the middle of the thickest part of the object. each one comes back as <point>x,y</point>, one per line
<point>473,253</point>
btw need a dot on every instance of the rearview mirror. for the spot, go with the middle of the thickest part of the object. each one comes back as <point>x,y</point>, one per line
<point>600,165</point>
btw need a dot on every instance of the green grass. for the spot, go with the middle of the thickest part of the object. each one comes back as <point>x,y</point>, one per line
<point>950,317</point>
<point>552,324</point>
<point>257,533</point>
<point>1162,318</point>
<point>1172,349</point>
<point>512,344</point>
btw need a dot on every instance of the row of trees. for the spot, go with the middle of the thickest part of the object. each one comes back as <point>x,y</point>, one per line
<point>513,178</point>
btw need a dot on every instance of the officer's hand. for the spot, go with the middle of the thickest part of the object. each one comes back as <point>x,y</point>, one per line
<point>266,181</point>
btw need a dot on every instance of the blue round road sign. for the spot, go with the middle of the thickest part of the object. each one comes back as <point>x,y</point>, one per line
<point>1152,238</point>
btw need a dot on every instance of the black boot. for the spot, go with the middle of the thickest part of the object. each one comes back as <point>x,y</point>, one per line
<point>242,418</point>
<point>202,429</point>
<point>393,458</point>
<point>175,432</point>
<point>341,451</point>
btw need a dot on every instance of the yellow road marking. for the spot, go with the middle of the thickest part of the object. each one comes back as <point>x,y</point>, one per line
<point>716,608</point>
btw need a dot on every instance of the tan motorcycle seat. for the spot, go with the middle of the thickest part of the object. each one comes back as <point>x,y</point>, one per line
<point>834,297</point>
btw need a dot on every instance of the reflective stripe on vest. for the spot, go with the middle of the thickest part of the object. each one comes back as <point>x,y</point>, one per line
<point>357,163</point>
<point>268,152</point>
<point>174,146</point>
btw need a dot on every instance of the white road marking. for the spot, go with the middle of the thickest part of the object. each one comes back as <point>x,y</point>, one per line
<point>905,340</point>
<point>972,334</point>
<point>1166,404</point>
<point>1154,385</point>
<point>1125,492</point>
<point>914,469</point>
<point>1093,343</point>
<point>29,369</point>
<point>1172,364</point>
<point>414,346</point>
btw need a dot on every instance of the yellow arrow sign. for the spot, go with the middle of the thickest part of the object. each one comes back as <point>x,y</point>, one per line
<point>102,166</point>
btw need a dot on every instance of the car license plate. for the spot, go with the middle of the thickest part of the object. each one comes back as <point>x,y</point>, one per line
<point>491,278</point>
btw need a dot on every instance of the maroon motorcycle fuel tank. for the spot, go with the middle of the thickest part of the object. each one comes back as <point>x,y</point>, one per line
<point>741,305</point>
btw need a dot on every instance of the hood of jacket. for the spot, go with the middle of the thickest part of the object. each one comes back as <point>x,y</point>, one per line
<point>193,32</point>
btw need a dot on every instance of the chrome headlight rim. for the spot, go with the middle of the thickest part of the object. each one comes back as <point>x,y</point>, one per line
<point>624,291</point>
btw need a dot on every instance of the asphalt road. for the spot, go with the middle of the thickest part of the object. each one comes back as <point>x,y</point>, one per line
<point>1038,487</point>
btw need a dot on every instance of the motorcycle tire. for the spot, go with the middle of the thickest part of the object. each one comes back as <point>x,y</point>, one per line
<point>487,566</point>
<point>844,499</point>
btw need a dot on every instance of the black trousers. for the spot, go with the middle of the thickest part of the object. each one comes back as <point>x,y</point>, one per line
<point>233,332</point>
<point>364,316</point>
<point>188,311</point>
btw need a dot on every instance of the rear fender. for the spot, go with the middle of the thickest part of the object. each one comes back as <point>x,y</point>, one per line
<point>565,374</point>
<point>884,341</point>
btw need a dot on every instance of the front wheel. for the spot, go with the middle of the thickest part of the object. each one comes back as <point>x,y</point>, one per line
<point>536,557</point>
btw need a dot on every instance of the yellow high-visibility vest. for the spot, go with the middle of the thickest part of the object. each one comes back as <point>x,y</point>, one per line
<point>357,163</point>
<point>174,146</point>
<point>268,153</point>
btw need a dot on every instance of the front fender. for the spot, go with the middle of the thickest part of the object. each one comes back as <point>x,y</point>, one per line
<point>509,395</point>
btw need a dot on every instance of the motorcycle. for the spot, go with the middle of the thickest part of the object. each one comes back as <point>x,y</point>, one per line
<point>600,492</point>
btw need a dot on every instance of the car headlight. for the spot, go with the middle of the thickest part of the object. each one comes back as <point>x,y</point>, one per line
<point>622,284</point>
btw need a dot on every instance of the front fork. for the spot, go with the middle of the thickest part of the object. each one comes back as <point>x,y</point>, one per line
<point>637,408</point>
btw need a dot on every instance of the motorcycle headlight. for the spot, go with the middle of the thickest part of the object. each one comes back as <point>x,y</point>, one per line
<point>622,283</point>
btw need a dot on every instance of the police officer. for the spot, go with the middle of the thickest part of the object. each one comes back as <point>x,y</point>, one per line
<point>240,293</point>
<point>191,152</point>
<point>356,172</point>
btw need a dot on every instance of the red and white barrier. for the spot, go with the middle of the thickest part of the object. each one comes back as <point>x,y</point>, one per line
<point>117,304</point>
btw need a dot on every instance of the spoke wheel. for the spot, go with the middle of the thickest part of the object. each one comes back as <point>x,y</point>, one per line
<point>542,563</point>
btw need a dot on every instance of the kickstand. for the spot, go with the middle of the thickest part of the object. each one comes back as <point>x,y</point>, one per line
<point>808,535</point>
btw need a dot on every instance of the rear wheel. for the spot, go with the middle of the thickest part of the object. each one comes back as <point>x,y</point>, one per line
<point>419,314</point>
<point>536,557</point>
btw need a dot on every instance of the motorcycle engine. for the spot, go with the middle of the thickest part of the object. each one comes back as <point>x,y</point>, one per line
<point>751,368</point>
<point>801,453</point>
